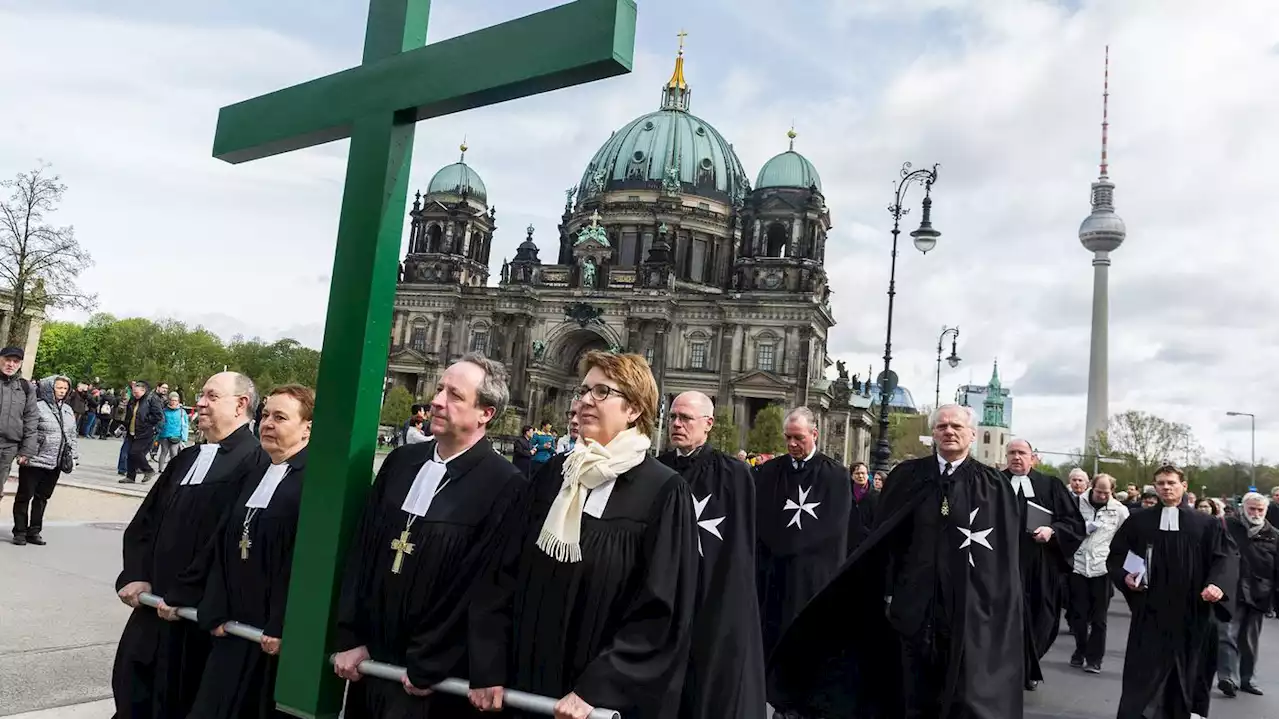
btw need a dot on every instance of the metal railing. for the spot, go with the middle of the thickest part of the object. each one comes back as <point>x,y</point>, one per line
<point>511,698</point>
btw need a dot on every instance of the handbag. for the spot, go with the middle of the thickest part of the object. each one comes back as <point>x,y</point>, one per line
<point>66,462</point>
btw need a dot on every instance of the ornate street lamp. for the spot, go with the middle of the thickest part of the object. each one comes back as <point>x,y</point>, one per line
<point>925,238</point>
<point>953,360</point>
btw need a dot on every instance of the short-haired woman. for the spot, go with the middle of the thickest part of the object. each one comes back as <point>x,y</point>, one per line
<point>38,476</point>
<point>595,594</point>
<point>249,580</point>
<point>175,431</point>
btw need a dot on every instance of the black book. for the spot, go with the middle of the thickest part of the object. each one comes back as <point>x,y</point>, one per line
<point>1037,516</point>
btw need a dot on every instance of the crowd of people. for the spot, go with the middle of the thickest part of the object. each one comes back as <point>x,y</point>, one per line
<point>688,584</point>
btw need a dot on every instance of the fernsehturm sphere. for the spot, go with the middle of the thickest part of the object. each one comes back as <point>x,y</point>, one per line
<point>1100,233</point>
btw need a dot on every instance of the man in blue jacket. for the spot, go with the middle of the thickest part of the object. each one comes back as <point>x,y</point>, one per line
<point>19,416</point>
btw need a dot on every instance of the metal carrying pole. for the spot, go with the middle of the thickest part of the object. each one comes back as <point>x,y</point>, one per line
<point>511,698</point>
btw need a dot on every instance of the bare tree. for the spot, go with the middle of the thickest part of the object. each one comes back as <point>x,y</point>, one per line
<point>39,263</point>
<point>1151,440</point>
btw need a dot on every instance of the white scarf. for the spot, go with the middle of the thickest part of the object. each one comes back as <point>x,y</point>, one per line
<point>588,466</point>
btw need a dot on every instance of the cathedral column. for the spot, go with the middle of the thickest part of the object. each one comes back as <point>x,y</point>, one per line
<point>660,354</point>
<point>724,350</point>
<point>795,240</point>
<point>755,239</point>
<point>802,366</point>
<point>397,331</point>
<point>439,332</point>
<point>519,367</point>
<point>466,239</point>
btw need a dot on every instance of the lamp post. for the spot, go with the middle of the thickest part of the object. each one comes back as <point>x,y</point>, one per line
<point>1253,480</point>
<point>952,361</point>
<point>925,238</point>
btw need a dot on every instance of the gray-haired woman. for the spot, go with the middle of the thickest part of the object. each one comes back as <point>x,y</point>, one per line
<point>39,475</point>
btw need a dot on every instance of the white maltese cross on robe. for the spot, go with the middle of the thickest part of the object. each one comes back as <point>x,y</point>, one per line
<point>800,506</point>
<point>710,525</point>
<point>971,537</point>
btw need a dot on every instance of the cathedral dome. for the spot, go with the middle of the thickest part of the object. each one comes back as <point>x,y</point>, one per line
<point>457,179</point>
<point>656,150</point>
<point>789,169</point>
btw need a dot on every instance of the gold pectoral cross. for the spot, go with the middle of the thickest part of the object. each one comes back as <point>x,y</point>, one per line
<point>401,546</point>
<point>946,508</point>
<point>245,543</point>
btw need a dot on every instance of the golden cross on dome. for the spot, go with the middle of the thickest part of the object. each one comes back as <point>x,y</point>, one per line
<point>595,218</point>
<point>681,35</point>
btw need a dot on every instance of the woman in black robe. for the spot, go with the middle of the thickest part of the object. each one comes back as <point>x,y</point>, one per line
<point>249,580</point>
<point>594,598</point>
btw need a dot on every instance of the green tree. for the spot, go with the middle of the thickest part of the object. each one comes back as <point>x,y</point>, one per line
<point>64,349</point>
<point>1149,440</point>
<point>905,431</point>
<point>396,406</point>
<point>765,436</point>
<point>508,425</point>
<point>724,433</point>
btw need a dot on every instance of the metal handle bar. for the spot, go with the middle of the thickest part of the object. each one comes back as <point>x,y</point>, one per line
<point>511,698</point>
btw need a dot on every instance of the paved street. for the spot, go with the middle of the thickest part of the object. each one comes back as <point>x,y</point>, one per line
<point>60,619</point>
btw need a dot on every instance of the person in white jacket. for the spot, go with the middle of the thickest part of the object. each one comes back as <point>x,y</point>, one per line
<point>1089,585</point>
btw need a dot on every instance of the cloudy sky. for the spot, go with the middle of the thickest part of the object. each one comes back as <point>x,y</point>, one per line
<point>1004,94</point>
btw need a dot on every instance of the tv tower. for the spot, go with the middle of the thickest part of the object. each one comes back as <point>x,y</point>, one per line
<point>1100,233</point>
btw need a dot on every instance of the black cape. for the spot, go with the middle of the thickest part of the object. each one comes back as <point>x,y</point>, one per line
<point>1046,566</point>
<point>802,516</point>
<point>615,627</point>
<point>1172,632</point>
<point>726,659</point>
<point>170,543</point>
<point>841,658</point>
<point>418,618</point>
<point>250,587</point>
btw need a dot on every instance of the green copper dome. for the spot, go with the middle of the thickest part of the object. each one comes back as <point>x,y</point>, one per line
<point>789,169</point>
<point>671,150</point>
<point>458,178</point>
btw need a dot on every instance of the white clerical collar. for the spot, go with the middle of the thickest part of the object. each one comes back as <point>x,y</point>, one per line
<point>198,471</point>
<point>267,487</point>
<point>942,464</point>
<point>1169,519</point>
<point>428,482</point>
<point>1022,485</point>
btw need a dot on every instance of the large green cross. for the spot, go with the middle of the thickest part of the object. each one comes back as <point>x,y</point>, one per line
<point>376,104</point>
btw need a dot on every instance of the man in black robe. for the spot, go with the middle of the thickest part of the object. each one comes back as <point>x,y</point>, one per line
<point>944,557</point>
<point>726,663</point>
<point>803,501</point>
<point>168,552</point>
<point>1175,566</point>
<point>428,530</point>
<point>865,498</point>
<point>1048,549</point>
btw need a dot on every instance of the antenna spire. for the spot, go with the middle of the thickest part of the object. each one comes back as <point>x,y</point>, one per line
<point>1106,93</point>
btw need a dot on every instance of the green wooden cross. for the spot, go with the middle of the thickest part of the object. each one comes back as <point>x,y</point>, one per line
<point>376,104</point>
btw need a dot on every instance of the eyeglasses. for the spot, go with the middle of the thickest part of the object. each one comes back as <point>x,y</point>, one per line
<point>686,418</point>
<point>599,393</point>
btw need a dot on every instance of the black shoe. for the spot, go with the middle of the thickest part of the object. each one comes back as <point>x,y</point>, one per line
<point>1031,685</point>
<point>1094,668</point>
<point>126,480</point>
<point>121,473</point>
<point>1077,660</point>
<point>1227,688</point>
<point>19,539</point>
<point>36,539</point>
<point>1251,688</point>
<point>146,477</point>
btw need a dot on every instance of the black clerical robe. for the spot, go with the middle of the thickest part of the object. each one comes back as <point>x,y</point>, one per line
<point>613,628</point>
<point>1172,631</point>
<point>170,544</point>
<point>726,660</point>
<point>1045,566</point>
<point>418,617</point>
<point>944,552</point>
<point>802,517</point>
<point>249,583</point>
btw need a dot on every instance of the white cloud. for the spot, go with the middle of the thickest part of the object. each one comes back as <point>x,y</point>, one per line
<point>1005,94</point>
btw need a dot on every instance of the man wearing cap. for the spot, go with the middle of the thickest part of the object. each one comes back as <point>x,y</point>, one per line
<point>19,415</point>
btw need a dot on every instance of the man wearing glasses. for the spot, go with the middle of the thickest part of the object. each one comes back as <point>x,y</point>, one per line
<point>726,663</point>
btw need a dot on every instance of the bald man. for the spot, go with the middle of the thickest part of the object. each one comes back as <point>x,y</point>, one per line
<point>160,659</point>
<point>1054,529</point>
<point>725,677</point>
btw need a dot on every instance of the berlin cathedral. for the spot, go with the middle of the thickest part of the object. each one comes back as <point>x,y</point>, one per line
<point>664,249</point>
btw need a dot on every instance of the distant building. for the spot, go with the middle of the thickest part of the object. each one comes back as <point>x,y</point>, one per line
<point>993,431</point>
<point>975,396</point>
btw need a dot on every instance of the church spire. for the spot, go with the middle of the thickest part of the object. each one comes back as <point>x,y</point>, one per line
<point>993,403</point>
<point>675,94</point>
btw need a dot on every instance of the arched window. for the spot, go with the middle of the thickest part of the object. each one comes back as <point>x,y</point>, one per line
<point>767,351</point>
<point>480,340</point>
<point>986,438</point>
<point>699,346</point>
<point>434,236</point>
<point>418,335</point>
<point>776,240</point>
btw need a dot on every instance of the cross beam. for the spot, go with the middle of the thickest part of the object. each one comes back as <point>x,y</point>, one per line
<point>376,104</point>
<point>592,40</point>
